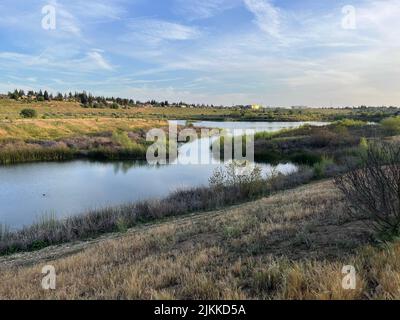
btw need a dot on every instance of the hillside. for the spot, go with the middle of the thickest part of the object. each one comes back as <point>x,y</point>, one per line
<point>291,245</point>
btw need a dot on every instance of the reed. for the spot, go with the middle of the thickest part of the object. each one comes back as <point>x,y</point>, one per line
<point>20,155</point>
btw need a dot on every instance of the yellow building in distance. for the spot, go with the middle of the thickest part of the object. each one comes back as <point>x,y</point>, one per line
<point>255,107</point>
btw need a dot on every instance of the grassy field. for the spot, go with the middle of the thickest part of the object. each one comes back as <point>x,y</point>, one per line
<point>28,140</point>
<point>289,246</point>
<point>65,130</point>
<point>10,109</point>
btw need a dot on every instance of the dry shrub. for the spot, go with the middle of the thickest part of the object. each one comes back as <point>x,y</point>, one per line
<point>372,191</point>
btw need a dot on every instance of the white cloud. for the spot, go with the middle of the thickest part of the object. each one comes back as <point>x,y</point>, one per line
<point>98,59</point>
<point>267,16</point>
<point>380,19</point>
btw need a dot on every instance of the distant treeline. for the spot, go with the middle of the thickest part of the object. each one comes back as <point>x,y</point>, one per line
<point>92,101</point>
<point>237,112</point>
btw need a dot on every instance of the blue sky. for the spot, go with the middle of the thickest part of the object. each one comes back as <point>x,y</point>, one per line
<point>277,53</point>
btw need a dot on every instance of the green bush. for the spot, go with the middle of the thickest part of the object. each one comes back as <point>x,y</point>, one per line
<point>391,125</point>
<point>364,143</point>
<point>28,113</point>
<point>320,167</point>
<point>122,138</point>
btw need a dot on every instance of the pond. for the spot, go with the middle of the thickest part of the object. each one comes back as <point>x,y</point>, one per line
<point>29,191</point>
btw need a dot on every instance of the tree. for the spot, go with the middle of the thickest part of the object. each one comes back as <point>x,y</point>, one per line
<point>14,95</point>
<point>46,96</point>
<point>59,97</point>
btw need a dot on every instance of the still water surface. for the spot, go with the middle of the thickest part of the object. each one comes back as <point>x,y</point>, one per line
<point>28,191</point>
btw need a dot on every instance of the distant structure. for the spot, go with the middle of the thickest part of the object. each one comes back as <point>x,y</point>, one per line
<point>256,107</point>
<point>299,107</point>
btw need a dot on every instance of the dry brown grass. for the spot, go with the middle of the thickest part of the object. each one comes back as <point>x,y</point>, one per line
<point>10,109</point>
<point>58,128</point>
<point>290,246</point>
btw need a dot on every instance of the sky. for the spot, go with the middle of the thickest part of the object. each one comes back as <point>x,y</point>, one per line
<point>272,52</point>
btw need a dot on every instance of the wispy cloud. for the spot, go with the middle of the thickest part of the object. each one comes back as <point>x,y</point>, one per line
<point>203,9</point>
<point>267,16</point>
<point>67,22</point>
<point>98,59</point>
<point>156,30</point>
<point>92,61</point>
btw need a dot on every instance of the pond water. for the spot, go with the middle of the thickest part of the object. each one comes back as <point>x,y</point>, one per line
<point>29,191</point>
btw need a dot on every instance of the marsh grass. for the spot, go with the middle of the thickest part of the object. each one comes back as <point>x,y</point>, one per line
<point>24,155</point>
<point>20,155</point>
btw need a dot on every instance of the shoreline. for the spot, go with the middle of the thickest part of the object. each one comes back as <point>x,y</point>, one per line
<point>121,218</point>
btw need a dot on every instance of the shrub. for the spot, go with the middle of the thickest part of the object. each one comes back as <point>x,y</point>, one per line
<point>321,167</point>
<point>121,137</point>
<point>391,125</point>
<point>364,143</point>
<point>372,191</point>
<point>28,113</point>
<point>246,178</point>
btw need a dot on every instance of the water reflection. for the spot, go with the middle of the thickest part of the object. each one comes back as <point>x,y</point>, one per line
<point>27,191</point>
